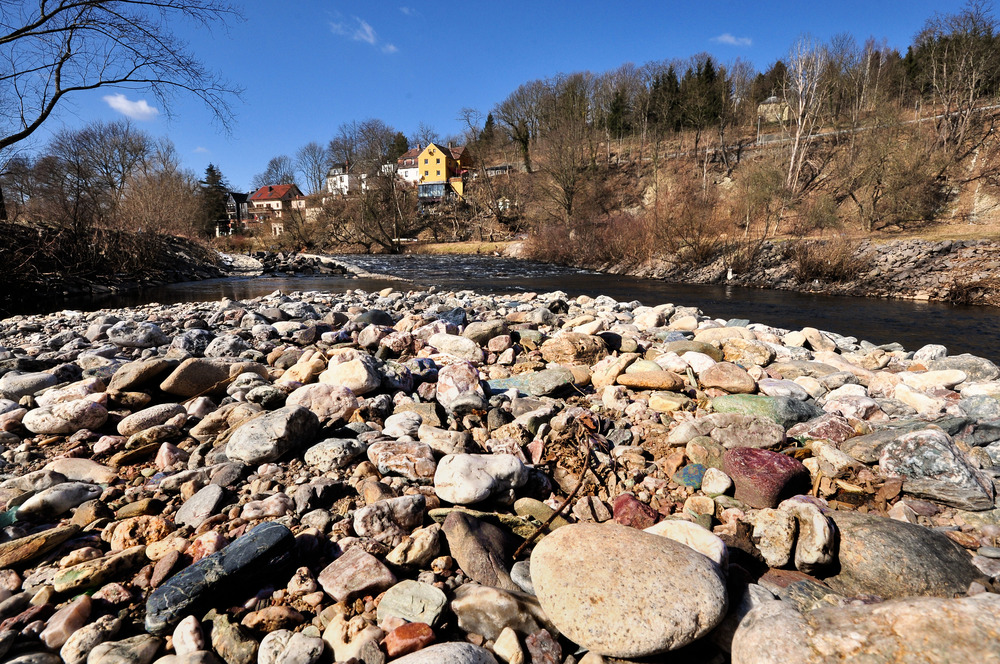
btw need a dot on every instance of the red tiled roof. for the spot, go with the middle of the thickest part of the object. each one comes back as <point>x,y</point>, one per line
<point>275,192</point>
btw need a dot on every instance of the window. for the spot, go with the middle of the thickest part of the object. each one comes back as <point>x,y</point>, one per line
<point>439,160</point>
<point>439,173</point>
<point>427,161</point>
<point>427,172</point>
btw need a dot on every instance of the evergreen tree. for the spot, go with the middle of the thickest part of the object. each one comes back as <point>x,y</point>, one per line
<point>214,191</point>
<point>400,144</point>
<point>489,130</point>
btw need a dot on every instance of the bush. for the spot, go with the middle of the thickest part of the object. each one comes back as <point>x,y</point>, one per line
<point>833,260</point>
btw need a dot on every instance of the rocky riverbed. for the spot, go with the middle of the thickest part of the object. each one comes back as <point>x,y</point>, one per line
<point>430,477</point>
<point>961,271</point>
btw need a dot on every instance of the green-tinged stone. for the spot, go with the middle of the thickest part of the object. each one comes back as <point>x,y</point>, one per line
<point>536,509</point>
<point>979,519</point>
<point>99,571</point>
<point>536,384</point>
<point>808,595</point>
<point>705,451</point>
<point>24,549</point>
<point>520,526</point>
<point>7,517</point>
<point>783,410</point>
<point>690,475</point>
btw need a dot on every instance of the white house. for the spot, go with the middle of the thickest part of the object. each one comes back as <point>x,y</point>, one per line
<point>340,180</point>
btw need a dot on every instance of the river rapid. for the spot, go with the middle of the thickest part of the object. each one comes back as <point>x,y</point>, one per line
<point>962,329</point>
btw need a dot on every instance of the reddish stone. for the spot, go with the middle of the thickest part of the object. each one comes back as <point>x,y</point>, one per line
<point>762,478</point>
<point>408,638</point>
<point>543,648</point>
<point>164,568</point>
<point>26,617</point>
<point>628,511</point>
<point>825,427</point>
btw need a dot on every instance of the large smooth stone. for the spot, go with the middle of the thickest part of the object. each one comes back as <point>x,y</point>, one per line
<point>196,376</point>
<point>621,592</point>
<point>464,479</point>
<point>449,653</point>
<point>456,346</point>
<point>57,500</point>
<point>329,402</point>
<point>14,386</point>
<point>130,334</point>
<point>67,417</point>
<point>269,436</point>
<point>895,559</point>
<point>905,631</point>
<point>149,417</point>
<point>243,562</point>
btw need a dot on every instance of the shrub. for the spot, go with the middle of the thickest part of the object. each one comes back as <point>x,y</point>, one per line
<point>834,260</point>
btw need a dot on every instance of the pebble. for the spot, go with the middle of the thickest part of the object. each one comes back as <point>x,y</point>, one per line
<point>284,468</point>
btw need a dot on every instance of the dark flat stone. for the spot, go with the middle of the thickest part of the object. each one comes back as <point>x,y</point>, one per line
<point>236,567</point>
<point>894,559</point>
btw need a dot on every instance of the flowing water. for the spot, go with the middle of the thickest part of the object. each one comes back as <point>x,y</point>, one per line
<point>963,329</point>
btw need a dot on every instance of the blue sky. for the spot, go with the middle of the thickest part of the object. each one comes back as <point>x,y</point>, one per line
<point>309,65</point>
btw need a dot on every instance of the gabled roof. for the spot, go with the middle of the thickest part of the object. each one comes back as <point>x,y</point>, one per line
<point>238,197</point>
<point>275,192</point>
<point>412,153</point>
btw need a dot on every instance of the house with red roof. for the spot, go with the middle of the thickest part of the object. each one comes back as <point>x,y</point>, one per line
<point>269,203</point>
<point>272,200</point>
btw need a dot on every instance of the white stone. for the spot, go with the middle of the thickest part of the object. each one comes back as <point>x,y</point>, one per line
<point>464,479</point>
<point>691,534</point>
<point>774,534</point>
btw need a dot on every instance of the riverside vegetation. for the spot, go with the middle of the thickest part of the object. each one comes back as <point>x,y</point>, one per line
<point>458,478</point>
<point>690,169</point>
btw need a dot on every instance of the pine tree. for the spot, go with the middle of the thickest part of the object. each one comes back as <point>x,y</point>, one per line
<point>214,192</point>
<point>400,144</point>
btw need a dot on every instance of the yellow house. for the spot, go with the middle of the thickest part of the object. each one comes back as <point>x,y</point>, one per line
<point>441,170</point>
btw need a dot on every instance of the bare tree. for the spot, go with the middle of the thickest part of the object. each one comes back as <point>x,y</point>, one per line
<point>425,135</point>
<point>313,162</point>
<point>280,170</point>
<point>52,49</point>
<point>343,147</point>
<point>960,60</point>
<point>519,115</point>
<point>804,93</point>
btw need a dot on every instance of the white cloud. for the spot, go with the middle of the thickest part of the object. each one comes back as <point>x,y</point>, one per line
<point>360,30</point>
<point>364,33</point>
<point>730,40</point>
<point>137,110</point>
<point>201,150</point>
<point>408,11</point>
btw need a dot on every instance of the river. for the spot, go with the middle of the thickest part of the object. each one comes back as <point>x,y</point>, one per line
<point>962,329</point>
